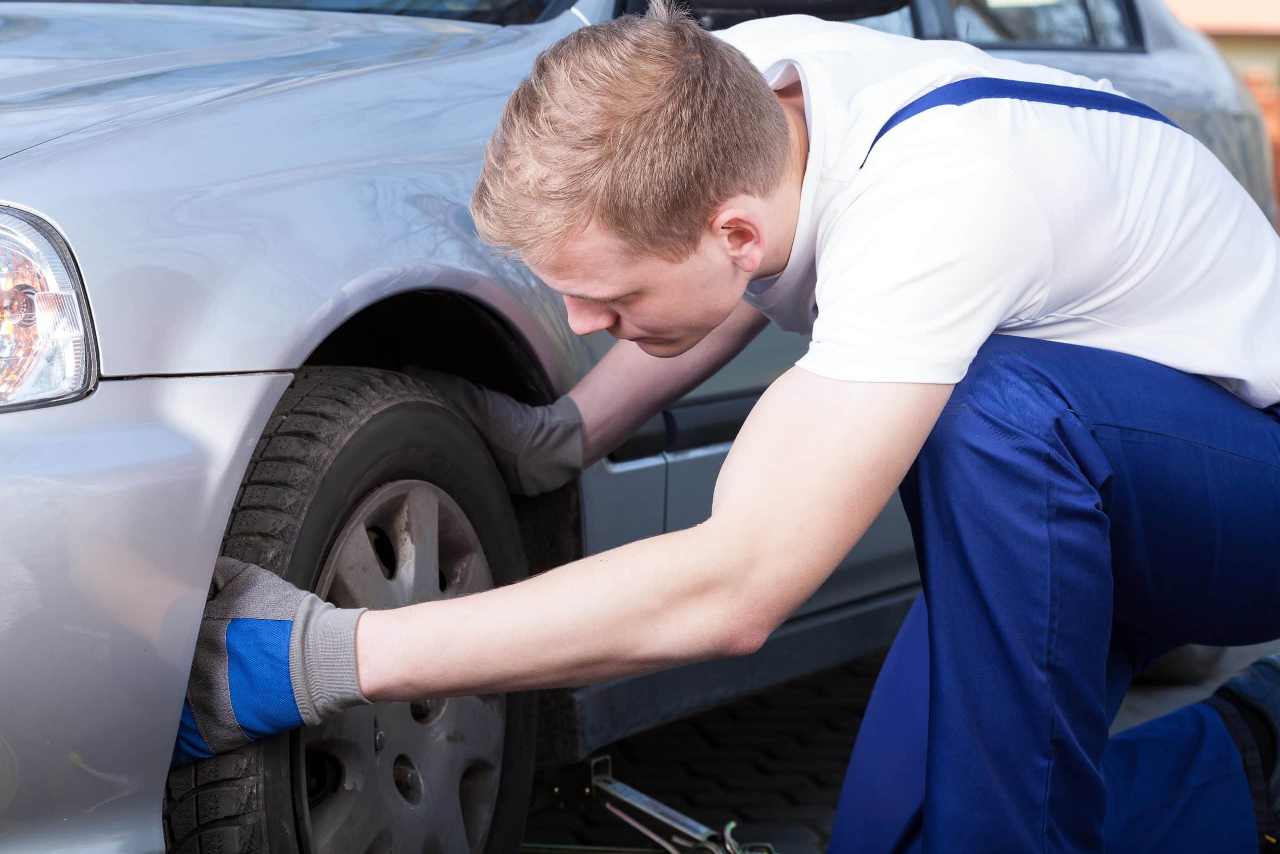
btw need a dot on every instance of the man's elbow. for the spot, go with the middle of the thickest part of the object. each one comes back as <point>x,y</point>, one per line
<point>746,620</point>
<point>737,611</point>
<point>719,626</point>
<point>743,640</point>
<point>756,601</point>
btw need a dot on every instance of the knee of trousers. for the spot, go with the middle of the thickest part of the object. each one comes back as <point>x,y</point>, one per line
<point>1011,417</point>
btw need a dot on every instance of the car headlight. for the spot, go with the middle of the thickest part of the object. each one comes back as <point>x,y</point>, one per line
<point>46,339</point>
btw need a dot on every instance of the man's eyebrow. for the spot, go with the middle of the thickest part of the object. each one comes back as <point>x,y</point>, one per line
<point>565,293</point>
<point>597,299</point>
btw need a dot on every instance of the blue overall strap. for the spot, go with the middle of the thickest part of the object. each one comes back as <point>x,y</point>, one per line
<point>982,88</point>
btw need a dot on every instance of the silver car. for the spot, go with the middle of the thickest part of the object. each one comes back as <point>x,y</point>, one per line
<point>228,238</point>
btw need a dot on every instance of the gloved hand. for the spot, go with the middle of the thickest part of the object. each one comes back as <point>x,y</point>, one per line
<point>269,658</point>
<point>537,448</point>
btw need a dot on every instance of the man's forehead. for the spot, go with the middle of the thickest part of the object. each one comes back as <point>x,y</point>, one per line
<point>585,251</point>
<point>589,258</point>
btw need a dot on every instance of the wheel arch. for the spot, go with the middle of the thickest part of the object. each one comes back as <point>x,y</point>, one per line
<point>519,309</point>
<point>452,331</point>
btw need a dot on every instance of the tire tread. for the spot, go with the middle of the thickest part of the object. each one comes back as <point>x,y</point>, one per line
<point>216,805</point>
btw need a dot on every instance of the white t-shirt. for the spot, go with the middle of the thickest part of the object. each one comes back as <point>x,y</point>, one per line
<point>1040,220</point>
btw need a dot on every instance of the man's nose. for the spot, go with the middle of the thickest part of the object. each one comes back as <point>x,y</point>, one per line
<point>587,316</point>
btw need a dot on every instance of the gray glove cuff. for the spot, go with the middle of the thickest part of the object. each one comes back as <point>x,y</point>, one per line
<point>322,660</point>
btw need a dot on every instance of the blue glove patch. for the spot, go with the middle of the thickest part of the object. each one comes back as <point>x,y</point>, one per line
<point>258,676</point>
<point>191,744</point>
<point>252,676</point>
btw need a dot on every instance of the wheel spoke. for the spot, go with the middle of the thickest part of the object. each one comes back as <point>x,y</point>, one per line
<point>482,721</point>
<point>470,732</point>
<point>448,828</point>
<point>349,737</point>
<point>412,819</point>
<point>463,568</point>
<point>348,822</point>
<point>421,565</point>
<point>357,576</point>
<point>469,574</point>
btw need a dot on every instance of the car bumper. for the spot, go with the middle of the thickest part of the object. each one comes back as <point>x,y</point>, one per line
<point>112,512</point>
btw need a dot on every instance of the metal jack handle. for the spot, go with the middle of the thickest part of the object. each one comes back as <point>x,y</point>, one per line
<point>675,832</point>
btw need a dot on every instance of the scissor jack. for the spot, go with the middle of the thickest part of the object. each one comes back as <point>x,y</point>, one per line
<point>672,831</point>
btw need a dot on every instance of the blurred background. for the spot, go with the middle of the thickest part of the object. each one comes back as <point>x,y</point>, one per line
<point>1247,32</point>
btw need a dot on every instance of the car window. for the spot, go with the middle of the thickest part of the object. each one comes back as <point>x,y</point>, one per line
<point>1043,23</point>
<point>890,16</point>
<point>483,11</point>
<point>898,22</point>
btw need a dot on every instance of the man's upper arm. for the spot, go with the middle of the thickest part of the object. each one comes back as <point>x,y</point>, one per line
<point>814,464</point>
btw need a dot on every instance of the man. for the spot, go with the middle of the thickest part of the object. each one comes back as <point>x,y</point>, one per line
<point>1093,486</point>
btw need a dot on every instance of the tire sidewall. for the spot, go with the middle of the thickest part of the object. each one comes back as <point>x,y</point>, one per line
<point>416,440</point>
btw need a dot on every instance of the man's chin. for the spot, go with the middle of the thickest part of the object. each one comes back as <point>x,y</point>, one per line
<point>666,348</point>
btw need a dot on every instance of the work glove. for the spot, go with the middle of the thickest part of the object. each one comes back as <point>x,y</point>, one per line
<point>269,658</point>
<point>537,448</point>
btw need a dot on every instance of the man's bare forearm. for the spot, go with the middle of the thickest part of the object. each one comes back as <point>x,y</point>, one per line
<point>593,619</point>
<point>586,620</point>
<point>628,386</point>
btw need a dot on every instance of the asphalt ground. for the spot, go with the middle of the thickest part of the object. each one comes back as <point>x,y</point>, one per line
<point>772,762</point>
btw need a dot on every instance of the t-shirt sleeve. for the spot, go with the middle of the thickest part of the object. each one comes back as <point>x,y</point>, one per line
<point>920,267</point>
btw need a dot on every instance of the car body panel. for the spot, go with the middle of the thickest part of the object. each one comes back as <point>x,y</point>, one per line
<point>234,187</point>
<point>69,67</point>
<point>114,509</point>
<point>622,502</point>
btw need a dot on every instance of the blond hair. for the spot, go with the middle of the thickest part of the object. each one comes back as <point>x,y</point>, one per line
<point>643,124</point>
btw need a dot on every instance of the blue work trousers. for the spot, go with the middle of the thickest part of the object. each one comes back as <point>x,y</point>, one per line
<point>1076,513</point>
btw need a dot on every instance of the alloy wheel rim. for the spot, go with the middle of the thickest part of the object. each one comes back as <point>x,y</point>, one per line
<point>415,777</point>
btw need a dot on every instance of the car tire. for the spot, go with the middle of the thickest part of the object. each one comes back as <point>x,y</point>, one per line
<point>339,438</point>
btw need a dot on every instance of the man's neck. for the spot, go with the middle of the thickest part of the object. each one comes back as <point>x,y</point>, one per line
<point>785,201</point>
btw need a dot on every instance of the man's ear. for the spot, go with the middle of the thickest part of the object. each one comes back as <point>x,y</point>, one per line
<point>739,230</point>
